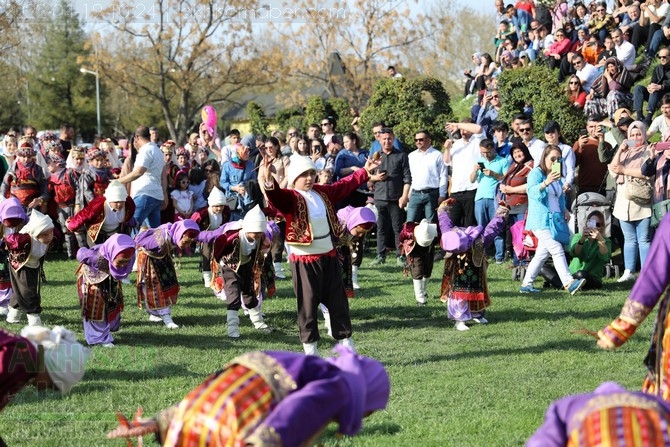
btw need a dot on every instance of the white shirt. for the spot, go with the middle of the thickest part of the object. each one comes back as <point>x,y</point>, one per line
<point>318,219</point>
<point>463,158</point>
<point>569,162</point>
<point>215,220</point>
<point>428,170</point>
<point>113,219</point>
<point>587,75</point>
<point>626,53</point>
<point>149,184</point>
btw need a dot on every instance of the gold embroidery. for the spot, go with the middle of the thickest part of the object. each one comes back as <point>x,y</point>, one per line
<point>607,401</point>
<point>280,381</point>
<point>299,231</point>
<point>634,312</point>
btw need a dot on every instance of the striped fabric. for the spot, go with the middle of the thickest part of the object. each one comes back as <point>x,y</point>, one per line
<point>157,276</point>
<point>622,426</point>
<point>222,411</point>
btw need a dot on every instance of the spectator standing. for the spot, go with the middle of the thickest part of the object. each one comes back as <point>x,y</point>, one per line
<point>535,145</point>
<point>552,133</point>
<point>429,180</point>
<point>591,171</point>
<point>489,110</point>
<point>348,161</point>
<point>328,129</point>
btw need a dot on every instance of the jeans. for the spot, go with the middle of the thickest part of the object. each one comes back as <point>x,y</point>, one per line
<point>657,40</point>
<point>148,208</point>
<point>640,94</point>
<point>422,204</point>
<point>635,238</point>
<point>485,211</point>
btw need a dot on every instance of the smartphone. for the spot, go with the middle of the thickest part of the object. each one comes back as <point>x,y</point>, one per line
<point>481,165</point>
<point>630,143</point>
<point>663,146</point>
<point>591,224</point>
<point>583,132</point>
<point>556,167</point>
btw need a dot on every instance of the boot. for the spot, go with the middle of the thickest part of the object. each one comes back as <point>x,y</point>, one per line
<point>279,270</point>
<point>233,322</point>
<point>354,277</point>
<point>14,315</point>
<point>3,311</point>
<point>167,320</point>
<point>257,319</point>
<point>207,278</point>
<point>425,287</point>
<point>348,342</point>
<point>419,292</point>
<point>34,320</point>
<point>311,348</point>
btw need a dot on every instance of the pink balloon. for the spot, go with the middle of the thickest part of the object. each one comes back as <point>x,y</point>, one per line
<point>210,118</point>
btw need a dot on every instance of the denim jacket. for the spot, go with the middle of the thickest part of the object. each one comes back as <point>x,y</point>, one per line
<point>538,201</point>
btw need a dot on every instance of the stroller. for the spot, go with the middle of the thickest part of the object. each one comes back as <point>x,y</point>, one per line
<point>583,206</point>
<point>524,243</point>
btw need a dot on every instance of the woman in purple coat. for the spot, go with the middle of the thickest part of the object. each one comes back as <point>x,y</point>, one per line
<point>271,398</point>
<point>102,269</point>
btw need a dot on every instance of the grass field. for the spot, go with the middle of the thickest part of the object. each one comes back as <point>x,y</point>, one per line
<point>488,386</point>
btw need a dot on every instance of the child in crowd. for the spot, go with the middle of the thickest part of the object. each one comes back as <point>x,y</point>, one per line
<point>240,251</point>
<point>183,159</point>
<point>100,273</point>
<point>417,242</point>
<point>357,222</point>
<point>25,180</point>
<point>94,179</point>
<point>210,218</point>
<point>197,185</point>
<point>106,215</point>
<point>464,286</point>
<point>26,250</point>
<point>62,188</point>
<point>12,217</point>
<point>182,197</point>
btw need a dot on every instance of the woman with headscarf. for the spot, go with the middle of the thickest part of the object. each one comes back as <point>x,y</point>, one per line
<point>271,398</point>
<point>157,284</point>
<point>100,273</point>
<point>632,209</point>
<point>657,167</point>
<point>236,173</point>
<point>610,91</point>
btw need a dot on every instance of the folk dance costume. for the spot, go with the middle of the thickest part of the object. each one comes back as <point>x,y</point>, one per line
<point>240,251</point>
<point>271,398</point>
<point>210,218</point>
<point>25,255</point>
<point>464,286</point>
<point>417,241</point>
<point>650,288</point>
<point>609,416</point>
<point>357,222</point>
<point>62,186</point>
<point>99,286</point>
<point>157,284</point>
<point>93,181</point>
<point>103,217</point>
<point>312,230</point>
<point>25,182</point>
<point>12,217</point>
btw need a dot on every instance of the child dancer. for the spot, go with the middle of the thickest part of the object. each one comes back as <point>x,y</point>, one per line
<point>26,250</point>
<point>100,273</point>
<point>418,246</point>
<point>464,286</point>
<point>211,218</point>
<point>240,251</point>
<point>25,180</point>
<point>62,188</point>
<point>94,179</point>
<point>12,217</point>
<point>157,285</point>
<point>358,222</point>
<point>182,197</point>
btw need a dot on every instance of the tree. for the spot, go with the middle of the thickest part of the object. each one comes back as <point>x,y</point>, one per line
<point>408,105</point>
<point>315,110</point>
<point>290,117</point>
<point>257,119</point>
<point>181,55</point>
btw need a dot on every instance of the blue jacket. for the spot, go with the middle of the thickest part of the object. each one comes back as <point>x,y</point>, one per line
<point>232,176</point>
<point>538,201</point>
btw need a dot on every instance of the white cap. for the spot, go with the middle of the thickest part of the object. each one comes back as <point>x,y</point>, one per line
<point>116,192</point>
<point>37,224</point>
<point>298,166</point>
<point>254,221</point>
<point>64,357</point>
<point>216,197</point>
<point>425,233</point>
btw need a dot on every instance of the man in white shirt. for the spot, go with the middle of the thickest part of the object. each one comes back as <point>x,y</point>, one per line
<point>148,185</point>
<point>586,72</point>
<point>461,155</point>
<point>535,145</point>
<point>625,51</point>
<point>429,180</point>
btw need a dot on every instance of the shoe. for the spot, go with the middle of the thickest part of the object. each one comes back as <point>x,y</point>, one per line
<point>420,304</point>
<point>34,320</point>
<point>499,261</point>
<point>167,320</point>
<point>279,271</point>
<point>4,311</point>
<point>378,261</point>
<point>155,319</point>
<point>575,286</point>
<point>108,345</point>
<point>14,315</point>
<point>400,261</point>
<point>529,289</point>
<point>460,326</point>
<point>627,276</point>
<point>480,320</point>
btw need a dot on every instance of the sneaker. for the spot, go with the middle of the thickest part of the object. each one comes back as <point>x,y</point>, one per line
<point>460,326</point>
<point>529,289</point>
<point>108,345</point>
<point>14,315</point>
<point>155,319</point>
<point>400,261</point>
<point>419,303</point>
<point>480,320</point>
<point>280,275</point>
<point>499,261</point>
<point>627,276</point>
<point>378,261</point>
<point>575,286</point>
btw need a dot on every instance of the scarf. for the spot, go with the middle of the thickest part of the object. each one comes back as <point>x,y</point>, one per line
<point>111,248</point>
<point>622,77</point>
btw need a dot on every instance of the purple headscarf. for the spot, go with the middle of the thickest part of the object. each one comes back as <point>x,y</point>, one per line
<point>460,240</point>
<point>369,384</point>
<point>11,209</point>
<point>178,229</point>
<point>111,248</point>
<point>354,217</point>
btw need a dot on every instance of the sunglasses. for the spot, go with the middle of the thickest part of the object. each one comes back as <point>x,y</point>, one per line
<point>663,57</point>
<point>525,129</point>
<point>325,124</point>
<point>600,10</point>
<point>417,140</point>
<point>574,83</point>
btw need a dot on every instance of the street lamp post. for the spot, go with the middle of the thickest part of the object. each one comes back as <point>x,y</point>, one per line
<point>97,95</point>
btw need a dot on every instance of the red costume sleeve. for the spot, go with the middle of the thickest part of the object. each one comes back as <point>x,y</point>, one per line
<point>17,241</point>
<point>91,213</point>
<point>344,187</point>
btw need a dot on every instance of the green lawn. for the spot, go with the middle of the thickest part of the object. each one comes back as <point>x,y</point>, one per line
<point>488,386</point>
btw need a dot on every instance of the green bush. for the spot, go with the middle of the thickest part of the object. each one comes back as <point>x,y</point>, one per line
<point>257,119</point>
<point>315,111</point>
<point>408,105</point>
<point>538,87</point>
<point>339,109</point>
<point>291,117</point>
